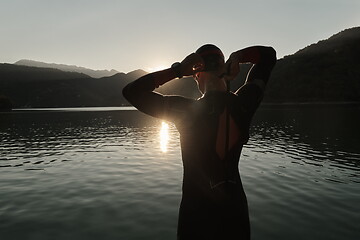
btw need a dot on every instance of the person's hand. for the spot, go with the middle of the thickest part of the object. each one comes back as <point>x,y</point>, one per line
<point>192,64</point>
<point>232,67</point>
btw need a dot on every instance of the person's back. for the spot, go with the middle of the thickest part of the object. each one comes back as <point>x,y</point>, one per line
<point>213,201</point>
<point>212,131</point>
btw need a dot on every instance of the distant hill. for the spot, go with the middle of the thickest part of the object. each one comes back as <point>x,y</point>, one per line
<point>17,72</point>
<point>68,68</point>
<point>327,71</point>
<point>46,87</point>
<point>136,74</point>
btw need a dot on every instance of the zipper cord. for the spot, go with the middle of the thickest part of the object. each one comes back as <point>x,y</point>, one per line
<point>227,129</point>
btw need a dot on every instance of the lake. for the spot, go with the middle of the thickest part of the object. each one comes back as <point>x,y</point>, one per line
<point>114,173</point>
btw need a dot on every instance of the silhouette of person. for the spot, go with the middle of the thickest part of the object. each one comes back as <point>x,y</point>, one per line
<point>213,130</point>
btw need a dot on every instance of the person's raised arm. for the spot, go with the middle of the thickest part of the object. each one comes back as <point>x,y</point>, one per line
<point>263,60</point>
<point>141,95</point>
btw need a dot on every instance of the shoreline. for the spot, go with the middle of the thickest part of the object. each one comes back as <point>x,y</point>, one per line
<point>124,107</point>
<point>308,103</point>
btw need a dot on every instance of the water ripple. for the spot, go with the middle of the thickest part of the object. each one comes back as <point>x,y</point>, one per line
<point>85,175</point>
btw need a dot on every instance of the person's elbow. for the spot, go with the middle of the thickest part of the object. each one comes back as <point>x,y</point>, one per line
<point>125,91</point>
<point>270,56</point>
<point>128,92</point>
<point>267,56</point>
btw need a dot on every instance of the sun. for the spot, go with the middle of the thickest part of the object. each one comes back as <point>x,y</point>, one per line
<point>157,68</point>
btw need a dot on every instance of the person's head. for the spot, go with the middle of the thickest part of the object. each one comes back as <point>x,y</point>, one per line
<point>214,62</point>
<point>212,56</point>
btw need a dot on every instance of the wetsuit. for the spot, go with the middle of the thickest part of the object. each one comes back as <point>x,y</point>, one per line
<point>214,204</point>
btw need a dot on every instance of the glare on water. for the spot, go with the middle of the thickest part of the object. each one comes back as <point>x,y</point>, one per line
<point>164,136</point>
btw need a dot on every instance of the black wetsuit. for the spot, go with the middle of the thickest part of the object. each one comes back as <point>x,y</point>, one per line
<point>214,204</point>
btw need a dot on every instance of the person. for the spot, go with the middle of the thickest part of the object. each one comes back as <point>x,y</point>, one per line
<point>213,130</point>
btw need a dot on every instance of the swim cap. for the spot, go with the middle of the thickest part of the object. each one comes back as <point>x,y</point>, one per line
<point>212,56</point>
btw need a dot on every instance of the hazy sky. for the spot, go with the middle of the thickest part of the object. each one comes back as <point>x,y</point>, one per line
<point>130,34</point>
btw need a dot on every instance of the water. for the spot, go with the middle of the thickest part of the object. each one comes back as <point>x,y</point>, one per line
<point>103,174</point>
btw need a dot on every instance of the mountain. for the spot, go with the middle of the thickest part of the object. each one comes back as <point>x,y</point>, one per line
<point>68,68</point>
<point>45,87</point>
<point>17,72</point>
<point>325,71</point>
<point>136,74</point>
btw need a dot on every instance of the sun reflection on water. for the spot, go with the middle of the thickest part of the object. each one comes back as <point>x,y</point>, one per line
<point>164,136</point>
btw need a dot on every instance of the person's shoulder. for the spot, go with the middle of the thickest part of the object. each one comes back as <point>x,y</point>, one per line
<point>179,103</point>
<point>179,98</point>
